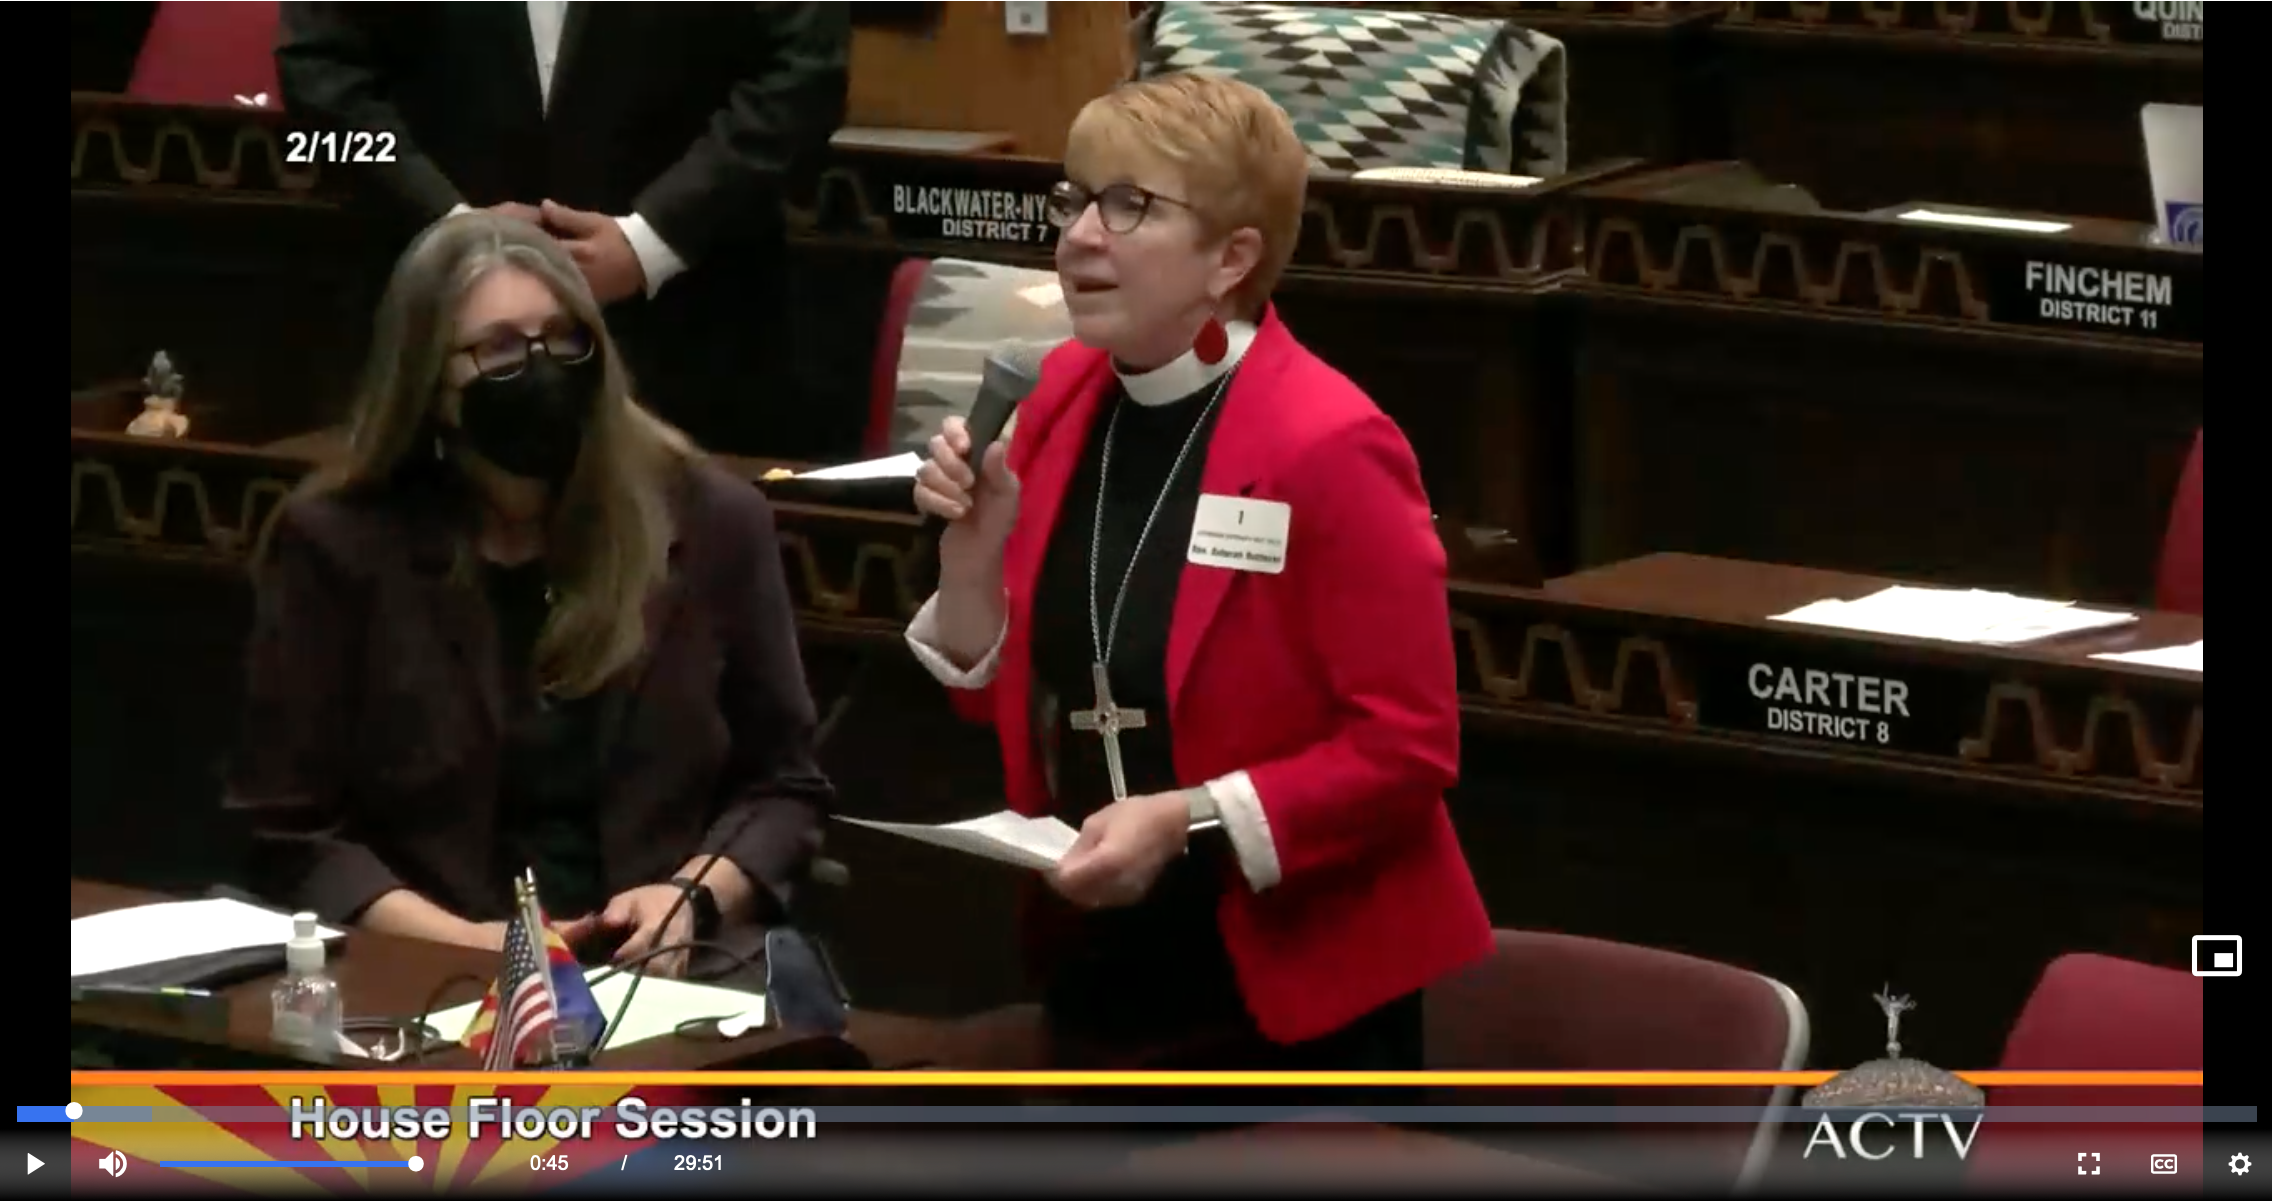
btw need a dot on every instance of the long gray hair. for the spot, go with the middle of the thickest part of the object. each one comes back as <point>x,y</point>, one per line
<point>610,529</point>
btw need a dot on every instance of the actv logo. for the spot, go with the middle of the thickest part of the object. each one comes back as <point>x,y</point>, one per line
<point>1868,1143</point>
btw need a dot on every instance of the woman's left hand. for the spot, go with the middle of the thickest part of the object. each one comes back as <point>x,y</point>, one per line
<point>641,912</point>
<point>1122,849</point>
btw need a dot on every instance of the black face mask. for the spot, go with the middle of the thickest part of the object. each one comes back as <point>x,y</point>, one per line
<point>531,425</point>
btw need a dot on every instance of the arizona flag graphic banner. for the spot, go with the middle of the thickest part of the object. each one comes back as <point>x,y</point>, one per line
<point>240,1137</point>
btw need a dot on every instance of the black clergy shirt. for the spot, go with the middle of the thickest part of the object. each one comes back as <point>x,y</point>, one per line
<point>1154,973</point>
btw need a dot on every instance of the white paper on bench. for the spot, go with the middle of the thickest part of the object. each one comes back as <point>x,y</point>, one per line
<point>2185,657</point>
<point>139,935</point>
<point>1955,615</point>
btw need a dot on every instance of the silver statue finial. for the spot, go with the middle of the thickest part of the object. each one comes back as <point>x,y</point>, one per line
<point>1894,1006</point>
<point>163,380</point>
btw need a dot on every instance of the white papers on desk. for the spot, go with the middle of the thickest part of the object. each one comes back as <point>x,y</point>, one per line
<point>1011,838</point>
<point>1956,615</point>
<point>152,934</point>
<point>2185,658</point>
<point>662,1007</point>
<point>896,467</point>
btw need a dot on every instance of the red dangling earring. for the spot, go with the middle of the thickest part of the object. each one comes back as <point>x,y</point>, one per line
<point>1213,343</point>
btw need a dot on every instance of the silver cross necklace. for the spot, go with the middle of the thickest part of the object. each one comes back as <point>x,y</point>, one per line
<point>1106,720</point>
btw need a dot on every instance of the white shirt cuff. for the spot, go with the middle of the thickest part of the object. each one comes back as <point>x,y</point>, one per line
<point>1240,808</point>
<point>657,261</point>
<point>459,207</point>
<point>923,639</point>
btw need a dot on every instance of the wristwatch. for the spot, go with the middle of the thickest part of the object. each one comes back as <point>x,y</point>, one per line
<point>1200,811</point>
<point>704,903</point>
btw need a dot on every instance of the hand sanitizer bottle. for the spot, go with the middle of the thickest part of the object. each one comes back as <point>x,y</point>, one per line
<point>305,1013</point>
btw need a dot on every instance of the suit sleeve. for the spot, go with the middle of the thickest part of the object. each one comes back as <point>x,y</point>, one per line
<point>1370,573</point>
<point>332,63</point>
<point>288,777</point>
<point>774,125</point>
<point>773,790</point>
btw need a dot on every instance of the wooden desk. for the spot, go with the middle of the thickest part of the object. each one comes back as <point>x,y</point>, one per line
<point>1763,378</point>
<point>1682,638</point>
<point>1622,780</point>
<point>384,975</point>
<point>2030,105</point>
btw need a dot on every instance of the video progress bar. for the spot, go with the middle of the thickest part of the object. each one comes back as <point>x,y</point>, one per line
<point>416,1164</point>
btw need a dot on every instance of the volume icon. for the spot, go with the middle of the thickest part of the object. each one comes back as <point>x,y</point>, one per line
<point>114,1163</point>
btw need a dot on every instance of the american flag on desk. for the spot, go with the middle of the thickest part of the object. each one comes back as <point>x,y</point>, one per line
<point>540,1008</point>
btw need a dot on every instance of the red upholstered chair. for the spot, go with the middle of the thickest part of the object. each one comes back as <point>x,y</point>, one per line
<point>1547,1002</point>
<point>2096,1012</point>
<point>209,54</point>
<point>883,382</point>
<point>2179,585</point>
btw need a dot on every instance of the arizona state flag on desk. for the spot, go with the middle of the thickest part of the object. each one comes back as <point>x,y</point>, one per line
<point>539,1010</point>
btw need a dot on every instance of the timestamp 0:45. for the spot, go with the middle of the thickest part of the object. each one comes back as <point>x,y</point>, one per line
<point>329,146</point>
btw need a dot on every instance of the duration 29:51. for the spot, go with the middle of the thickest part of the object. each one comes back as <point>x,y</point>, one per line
<point>325,147</point>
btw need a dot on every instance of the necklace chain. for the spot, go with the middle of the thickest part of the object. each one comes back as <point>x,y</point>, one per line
<point>1104,638</point>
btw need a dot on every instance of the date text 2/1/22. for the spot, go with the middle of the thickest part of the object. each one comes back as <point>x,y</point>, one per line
<point>329,146</point>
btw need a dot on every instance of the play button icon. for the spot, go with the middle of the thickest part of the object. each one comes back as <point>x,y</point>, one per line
<point>32,1164</point>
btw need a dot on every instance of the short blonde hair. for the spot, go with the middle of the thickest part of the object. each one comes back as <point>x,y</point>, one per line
<point>1233,146</point>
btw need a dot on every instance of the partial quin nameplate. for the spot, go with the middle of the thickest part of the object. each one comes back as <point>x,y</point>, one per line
<point>1009,209</point>
<point>2144,22</point>
<point>1817,694</point>
<point>2067,288</point>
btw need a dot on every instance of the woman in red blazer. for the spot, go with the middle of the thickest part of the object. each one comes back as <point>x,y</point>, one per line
<point>1201,530</point>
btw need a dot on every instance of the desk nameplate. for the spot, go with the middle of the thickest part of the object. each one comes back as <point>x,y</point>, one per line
<point>2068,286</point>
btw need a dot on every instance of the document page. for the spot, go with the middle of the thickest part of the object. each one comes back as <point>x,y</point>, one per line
<point>2185,658</point>
<point>662,1007</point>
<point>140,935</point>
<point>1955,615</point>
<point>1008,837</point>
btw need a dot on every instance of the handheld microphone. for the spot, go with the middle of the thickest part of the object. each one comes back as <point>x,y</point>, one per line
<point>1013,370</point>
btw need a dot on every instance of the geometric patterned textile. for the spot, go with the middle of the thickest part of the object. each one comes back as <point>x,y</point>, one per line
<point>1379,87</point>
<point>964,310</point>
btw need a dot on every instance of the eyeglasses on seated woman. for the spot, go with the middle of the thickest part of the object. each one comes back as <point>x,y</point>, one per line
<point>520,623</point>
<point>1200,597</point>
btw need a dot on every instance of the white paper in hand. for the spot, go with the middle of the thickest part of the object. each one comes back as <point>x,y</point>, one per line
<point>895,467</point>
<point>1007,837</point>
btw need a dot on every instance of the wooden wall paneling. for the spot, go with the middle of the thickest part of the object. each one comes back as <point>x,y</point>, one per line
<point>969,73</point>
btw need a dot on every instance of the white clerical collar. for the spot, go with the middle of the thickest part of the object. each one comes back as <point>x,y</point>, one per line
<point>1186,376</point>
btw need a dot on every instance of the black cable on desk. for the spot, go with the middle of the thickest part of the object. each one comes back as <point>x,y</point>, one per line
<point>427,1035</point>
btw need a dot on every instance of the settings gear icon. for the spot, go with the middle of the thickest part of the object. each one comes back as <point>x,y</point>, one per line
<point>2238,1164</point>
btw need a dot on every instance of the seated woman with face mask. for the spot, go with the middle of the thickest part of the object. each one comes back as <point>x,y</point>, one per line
<point>523,624</point>
<point>1200,597</point>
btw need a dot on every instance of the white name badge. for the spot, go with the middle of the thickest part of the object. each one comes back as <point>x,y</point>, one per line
<point>1241,533</point>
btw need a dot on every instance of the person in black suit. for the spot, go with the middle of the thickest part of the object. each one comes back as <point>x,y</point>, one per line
<point>653,141</point>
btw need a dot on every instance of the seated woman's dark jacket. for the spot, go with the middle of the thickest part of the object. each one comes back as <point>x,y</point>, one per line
<point>376,716</point>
